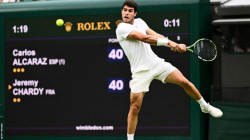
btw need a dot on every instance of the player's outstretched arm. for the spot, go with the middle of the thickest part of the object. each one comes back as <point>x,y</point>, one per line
<point>135,35</point>
<point>153,38</point>
<point>174,46</point>
<point>153,33</point>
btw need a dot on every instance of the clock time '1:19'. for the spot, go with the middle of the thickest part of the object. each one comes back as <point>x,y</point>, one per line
<point>20,29</point>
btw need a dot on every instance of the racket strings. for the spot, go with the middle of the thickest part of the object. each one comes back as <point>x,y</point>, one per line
<point>205,49</point>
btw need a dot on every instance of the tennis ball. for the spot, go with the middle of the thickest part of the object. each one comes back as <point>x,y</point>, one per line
<point>59,22</point>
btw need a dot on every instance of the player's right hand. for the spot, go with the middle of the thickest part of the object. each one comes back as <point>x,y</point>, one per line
<point>179,48</point>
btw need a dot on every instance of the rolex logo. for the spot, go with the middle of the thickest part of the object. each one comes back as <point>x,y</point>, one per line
<point>93,26</point>
<point>118,22</point>
<point>68,26</point>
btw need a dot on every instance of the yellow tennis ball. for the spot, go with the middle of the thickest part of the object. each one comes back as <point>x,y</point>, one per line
<point>59,22</point>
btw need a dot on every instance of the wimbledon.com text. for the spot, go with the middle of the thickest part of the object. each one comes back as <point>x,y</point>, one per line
<point>89,127</point>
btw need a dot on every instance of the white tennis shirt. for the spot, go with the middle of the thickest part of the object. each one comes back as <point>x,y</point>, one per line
<point>139,54</point>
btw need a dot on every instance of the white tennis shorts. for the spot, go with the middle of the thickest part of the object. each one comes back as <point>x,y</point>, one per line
<point>141,80</point>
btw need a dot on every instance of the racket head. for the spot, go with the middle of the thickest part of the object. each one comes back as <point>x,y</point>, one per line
<point>205,49</point>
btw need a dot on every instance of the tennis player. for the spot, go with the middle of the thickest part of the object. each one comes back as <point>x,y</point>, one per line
<point>135,38</point>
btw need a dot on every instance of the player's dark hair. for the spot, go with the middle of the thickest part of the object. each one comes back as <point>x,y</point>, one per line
<point>130,3</point>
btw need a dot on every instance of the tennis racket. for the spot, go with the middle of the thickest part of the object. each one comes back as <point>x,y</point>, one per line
<point>204,48</point>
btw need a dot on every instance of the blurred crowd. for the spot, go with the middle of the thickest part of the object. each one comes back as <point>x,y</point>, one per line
<point>6,1</point>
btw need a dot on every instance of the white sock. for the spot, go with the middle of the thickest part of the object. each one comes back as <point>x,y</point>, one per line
<point>130,136</point>
<point>202,102</point>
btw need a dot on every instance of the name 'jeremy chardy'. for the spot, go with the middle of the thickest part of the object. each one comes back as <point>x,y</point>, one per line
<point>25,83</point>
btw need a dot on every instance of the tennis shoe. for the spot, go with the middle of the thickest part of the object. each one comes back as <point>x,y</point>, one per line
<point>215,112</point>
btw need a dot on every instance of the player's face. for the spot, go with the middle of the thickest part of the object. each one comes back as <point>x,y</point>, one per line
<point>128,14</point>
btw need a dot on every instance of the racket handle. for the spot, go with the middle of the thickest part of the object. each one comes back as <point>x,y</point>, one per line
<point>189,50</point>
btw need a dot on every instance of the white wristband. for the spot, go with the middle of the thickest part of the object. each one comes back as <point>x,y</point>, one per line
<point>162,41</point>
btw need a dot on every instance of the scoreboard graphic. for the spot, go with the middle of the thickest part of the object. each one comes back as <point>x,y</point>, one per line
<point>74,80</point>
